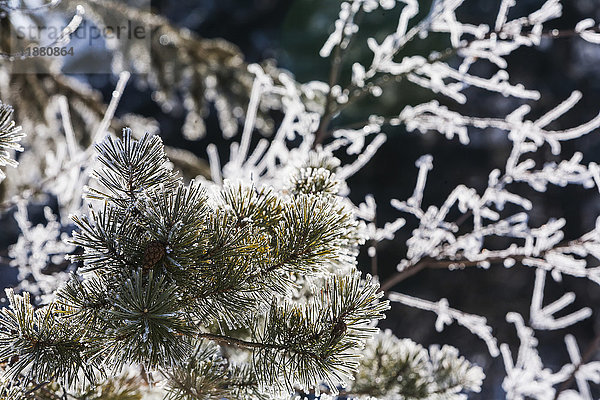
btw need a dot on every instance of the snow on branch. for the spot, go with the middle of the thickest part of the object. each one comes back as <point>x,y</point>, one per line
<point>526,376</point>
<point>446,315</point>
<point>37,247</point>
<point>470,42</point>
<point>438,239</point>
<point>10,136</point>
<point>542,317</point>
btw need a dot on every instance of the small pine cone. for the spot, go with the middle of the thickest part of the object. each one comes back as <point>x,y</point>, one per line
<point>154,252</point>
<point>339,328</point>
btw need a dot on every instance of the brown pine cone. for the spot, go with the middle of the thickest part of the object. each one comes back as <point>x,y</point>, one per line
<point>154,252</point>
<point>339,328</point>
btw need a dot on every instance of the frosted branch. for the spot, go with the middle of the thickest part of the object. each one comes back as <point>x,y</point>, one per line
<point>476,324</point>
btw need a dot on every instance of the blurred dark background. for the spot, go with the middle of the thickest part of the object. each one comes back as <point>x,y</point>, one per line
<point>292,32</point>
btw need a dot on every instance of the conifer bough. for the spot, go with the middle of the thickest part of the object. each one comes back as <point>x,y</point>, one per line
<point>10,136</point>
<point>170,270</point>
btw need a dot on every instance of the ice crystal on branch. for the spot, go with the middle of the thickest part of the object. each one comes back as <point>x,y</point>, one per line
<point>38,248</point>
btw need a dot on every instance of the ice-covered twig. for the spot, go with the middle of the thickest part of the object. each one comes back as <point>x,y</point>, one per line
<point>67,126</point>
<point>446,315</point>
<point>542,317</point>
<point>588,31</point>
<point>583,372</point>
<point>37,247</point>
<point>112,107</point>
<point>437,241</point>
<point>526,376</point>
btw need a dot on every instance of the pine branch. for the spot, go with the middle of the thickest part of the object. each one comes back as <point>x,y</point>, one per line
<point>176,219</point>
<point>146,325</point>
<point>107,240</point>
<point>164,262</point>
<point>41,345</point>
<point>261,208</point>
<point>208,375</point>
<point>130,167</point>
<point>401,368</point>
<point>82,301</point>
<point>314,230</point>
<point>10,136</point>
<point>231,341</point>
<point>320,337</point>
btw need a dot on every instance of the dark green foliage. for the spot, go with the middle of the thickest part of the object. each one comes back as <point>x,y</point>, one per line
<point>322,337</point>
<point>40,346</point>
<point>314,230</point>
<point>146,324</point>
<point>207,375</point>
<point>404,370</point>
<point>177,219</point>
<point>261,208</point>
<point>130,167</point>
<point>111,240</point>
<point>139,320</point>
<point>83,301</point>
<point>168,265</point>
